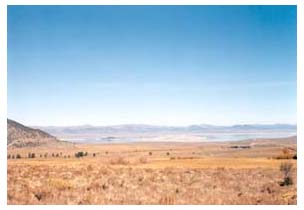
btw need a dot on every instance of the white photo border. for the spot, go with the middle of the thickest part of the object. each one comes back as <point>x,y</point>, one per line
<point>3,94</point>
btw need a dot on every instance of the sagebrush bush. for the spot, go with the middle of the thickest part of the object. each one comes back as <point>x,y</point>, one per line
<point>119,161</point>
<point>286,169</point>
<point>143,160</point>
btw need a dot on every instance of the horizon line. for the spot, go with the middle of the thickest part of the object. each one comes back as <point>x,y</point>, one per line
<point>167,125</point>
<point>156,124</point>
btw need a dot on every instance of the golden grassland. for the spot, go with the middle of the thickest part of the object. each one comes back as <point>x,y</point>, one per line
<point>151,173</point>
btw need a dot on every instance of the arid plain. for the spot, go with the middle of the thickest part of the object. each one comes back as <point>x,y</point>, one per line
<point>240,172</point>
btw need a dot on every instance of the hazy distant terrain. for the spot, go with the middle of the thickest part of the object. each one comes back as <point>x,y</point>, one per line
<point>150,133</point>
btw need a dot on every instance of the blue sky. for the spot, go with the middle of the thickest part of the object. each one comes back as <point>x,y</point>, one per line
<point>166,65</point>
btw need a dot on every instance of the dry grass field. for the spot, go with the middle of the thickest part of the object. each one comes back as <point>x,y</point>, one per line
<point>153,173</point>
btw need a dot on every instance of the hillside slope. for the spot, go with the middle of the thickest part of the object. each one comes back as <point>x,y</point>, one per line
<point>19,135</point>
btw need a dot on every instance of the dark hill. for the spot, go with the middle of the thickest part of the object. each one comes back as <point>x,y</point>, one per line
<point>19,135</point>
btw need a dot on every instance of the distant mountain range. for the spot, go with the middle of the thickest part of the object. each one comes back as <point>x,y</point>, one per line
<point>23,136</point>
<point>19,135</point>
<point>141,128</point>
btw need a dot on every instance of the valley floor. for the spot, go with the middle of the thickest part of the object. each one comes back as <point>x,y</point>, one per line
<point>153,173</point>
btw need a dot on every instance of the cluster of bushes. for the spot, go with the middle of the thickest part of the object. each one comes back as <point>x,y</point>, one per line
<point>45,155</point>
<point>31,155</point>
<point>81,154</point>
<point>18,156</point>
<point>56,155</point>
<point>240,147</point>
